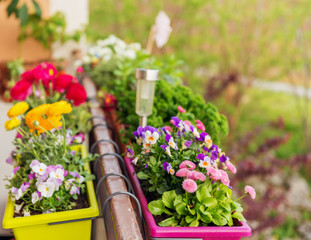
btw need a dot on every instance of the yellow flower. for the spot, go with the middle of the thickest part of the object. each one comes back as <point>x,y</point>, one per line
<point>12,123</point>
<point>59,108</point>
<point>37,119</point>
<point>18,109</point>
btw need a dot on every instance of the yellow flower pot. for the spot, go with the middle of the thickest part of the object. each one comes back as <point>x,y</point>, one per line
<point>73,224</point>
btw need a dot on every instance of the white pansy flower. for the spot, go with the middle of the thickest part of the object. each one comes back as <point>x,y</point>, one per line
<point>26,213</point>
<point>46,189</point>
<point>151,138</point>
<point>40,168</point>
<point>34,197</point>
<point>17,208</point>
<point>196,133</point>
<point>134,161</point>
<point>205,163</point>
<point>80,179</point>
<point>58,174</point>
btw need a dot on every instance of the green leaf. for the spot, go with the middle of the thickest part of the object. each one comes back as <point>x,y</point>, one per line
<point>190,219</point>
<point>142,175</point>
<point>37,9</point>
<point>226,206</point>
<point>239,216</point>
<point>209,202</point>
<point>219,220</point>
<point>168,199</point>
<point>195,223</point>
<point>181,208</point>
<point>191,210</point>
<point>203,192</point>
<point>167,222</point>
<point>23,14</point>
<point>235,206</point>
<point>12,7</point>
<point>153,161</point>
<point>177,200</point>
<point>156,207</point>
<point>206,217</point>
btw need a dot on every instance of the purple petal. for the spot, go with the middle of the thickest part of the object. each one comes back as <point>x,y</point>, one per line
<point>168,137</point>
<point>16,169</point>
<point>200,156</point>
<point>165,165</point>
<point>31,176</point>
<point>223,158</point>
<point>188,143</point>
<point>163,147</point>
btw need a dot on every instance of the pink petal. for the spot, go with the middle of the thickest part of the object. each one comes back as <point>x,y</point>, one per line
<point>251,191</point>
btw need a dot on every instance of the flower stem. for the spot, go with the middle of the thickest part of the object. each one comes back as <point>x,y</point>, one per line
<point>240,198</point>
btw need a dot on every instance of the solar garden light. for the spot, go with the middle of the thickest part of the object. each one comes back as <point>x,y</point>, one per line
<point>145,86</point>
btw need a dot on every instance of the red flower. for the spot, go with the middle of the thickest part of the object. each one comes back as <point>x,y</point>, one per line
<point>21,90</point>
<point>77,93</point>
<point>62,82</point>
<point>110,101</point>
<point>28,76</point>
<point>45,72</point>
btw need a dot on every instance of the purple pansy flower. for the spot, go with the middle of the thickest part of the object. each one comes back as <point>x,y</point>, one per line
<point>31,176</point>
<point>75,174</point>
<point>9,160</point>
<point>16,169</point>
<point>201,156</point>
<point>165,165</point>
<point>138,132</point>
<point>176,122</point>
<point>223,158</point>
<point>130,153</point>
<point>168,137</point>
<point>163,147</point>
<point>214,155</point>
<point>24,186</point>
<point>188,143</point>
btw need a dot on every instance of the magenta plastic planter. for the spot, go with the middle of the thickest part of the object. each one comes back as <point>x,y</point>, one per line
<point>203,233</point>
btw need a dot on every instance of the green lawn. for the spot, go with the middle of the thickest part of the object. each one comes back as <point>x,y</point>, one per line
<point>259,108</point>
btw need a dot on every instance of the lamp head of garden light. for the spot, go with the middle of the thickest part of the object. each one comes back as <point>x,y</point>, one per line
<point>145,87</point>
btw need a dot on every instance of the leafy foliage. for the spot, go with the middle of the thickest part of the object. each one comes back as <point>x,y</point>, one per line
<point>169,94</point>
<point>47,31</point>
<point>211,204</point>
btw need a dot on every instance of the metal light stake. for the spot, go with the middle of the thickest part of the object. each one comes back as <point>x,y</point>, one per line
<point>145,86</point>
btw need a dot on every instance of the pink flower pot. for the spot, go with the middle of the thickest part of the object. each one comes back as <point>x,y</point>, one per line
<point>191,233</point>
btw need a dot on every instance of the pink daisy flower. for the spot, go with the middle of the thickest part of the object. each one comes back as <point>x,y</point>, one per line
<point>180,109</point>
<point>251,191</point>
<point>199,176</point>
<point>187,164</point>
<point>183,173</point>
<point>189,185</point>
<point>200,125</point>
<point>231,167</point>
<point>214,173</point>
<point>188,123</point>
<point>224,178</point>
